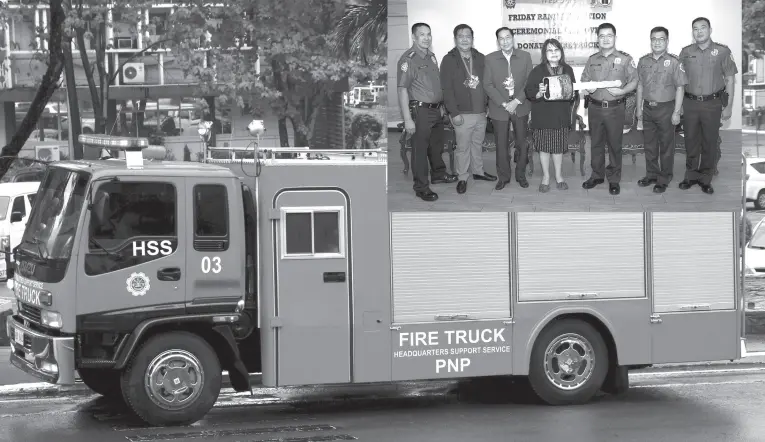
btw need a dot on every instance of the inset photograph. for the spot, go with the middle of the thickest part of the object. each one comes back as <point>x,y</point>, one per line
<point>589,106</point>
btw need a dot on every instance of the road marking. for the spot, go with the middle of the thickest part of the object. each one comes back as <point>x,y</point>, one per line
<point>687,384</point>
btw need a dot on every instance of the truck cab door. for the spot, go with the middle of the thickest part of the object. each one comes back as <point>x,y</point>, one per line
<point>133,258</point>
<point>216,278</point>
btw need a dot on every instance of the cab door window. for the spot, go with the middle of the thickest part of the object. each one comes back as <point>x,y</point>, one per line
<point>131,223</point>
<point>19,209</point>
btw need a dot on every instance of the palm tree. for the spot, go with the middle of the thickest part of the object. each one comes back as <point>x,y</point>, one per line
<point>362,33</point>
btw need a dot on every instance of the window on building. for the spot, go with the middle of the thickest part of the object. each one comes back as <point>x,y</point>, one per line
<point>313,232</point>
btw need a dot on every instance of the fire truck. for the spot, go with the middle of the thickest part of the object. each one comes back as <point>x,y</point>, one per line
<point>149,279</point>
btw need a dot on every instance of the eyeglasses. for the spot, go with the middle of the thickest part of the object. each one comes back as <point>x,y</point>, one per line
<point>659,40</point>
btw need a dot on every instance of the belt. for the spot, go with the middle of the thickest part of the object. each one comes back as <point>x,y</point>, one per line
<point>656,103</point>
<point>607,104</point>
<point>717,94</point>
<point>423,104</point>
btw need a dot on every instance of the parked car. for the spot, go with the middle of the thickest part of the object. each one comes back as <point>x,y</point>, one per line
<point>16,201</point>
<point>755,182</point>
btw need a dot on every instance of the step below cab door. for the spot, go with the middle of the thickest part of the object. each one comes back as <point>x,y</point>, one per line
<point>695,287</point>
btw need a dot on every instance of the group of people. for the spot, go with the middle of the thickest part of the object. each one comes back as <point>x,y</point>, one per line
<point>470,88</point>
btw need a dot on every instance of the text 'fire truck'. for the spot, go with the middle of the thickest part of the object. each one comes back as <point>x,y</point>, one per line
<point>148,279</point>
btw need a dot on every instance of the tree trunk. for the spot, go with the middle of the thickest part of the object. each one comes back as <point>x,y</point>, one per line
<point>47,87</point>
<point>284,135</point>
<point>94,96</point>
<point>74,104</point>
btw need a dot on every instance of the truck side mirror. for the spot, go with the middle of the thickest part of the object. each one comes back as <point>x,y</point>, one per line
<point>16,217</point>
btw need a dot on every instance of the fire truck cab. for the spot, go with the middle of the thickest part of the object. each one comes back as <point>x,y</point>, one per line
<point>150,278</point>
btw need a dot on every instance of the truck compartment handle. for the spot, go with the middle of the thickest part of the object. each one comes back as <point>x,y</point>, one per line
<point>696,307</point>
<point>581,295</point>
<point>455,317</point>
<point>169,274</point>
<point>334,276</point>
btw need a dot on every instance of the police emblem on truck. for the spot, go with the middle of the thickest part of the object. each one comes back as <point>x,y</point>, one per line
<point>138,284</point>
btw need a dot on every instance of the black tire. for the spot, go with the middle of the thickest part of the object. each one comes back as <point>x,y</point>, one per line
<point>103,381</point>
<point>545,388</point>
<point>759,203</point>
<point>135,388</point>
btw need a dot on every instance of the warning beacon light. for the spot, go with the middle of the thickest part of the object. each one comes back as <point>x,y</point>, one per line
<point>134,148</point>
<point>256,128</point>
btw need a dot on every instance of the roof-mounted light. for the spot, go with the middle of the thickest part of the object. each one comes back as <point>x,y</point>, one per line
<point>133,147</point>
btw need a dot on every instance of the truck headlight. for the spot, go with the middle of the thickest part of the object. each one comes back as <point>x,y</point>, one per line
<point>51,319</point>
<point>15,307</point>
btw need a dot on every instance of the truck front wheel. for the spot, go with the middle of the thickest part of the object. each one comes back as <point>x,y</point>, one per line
<point>569,363</point>
<point>173,379</point>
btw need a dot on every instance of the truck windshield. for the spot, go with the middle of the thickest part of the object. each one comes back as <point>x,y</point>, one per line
<point>51,228</point>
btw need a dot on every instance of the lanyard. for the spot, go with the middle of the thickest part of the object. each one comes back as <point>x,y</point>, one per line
<point>468,69</point>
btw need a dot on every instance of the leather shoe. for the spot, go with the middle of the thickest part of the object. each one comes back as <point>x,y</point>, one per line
<point>707,188</point>
<point>485,177</point>
<point>461,186</point>
<point>501,185</point>
<point>643,182</point>
<point>659,188</point>
<point>590,183</point>
<point>444,179</point>
<point>427,195</point>
<point>523,182</point>
<point>613,188</point>
<point>687,184</point>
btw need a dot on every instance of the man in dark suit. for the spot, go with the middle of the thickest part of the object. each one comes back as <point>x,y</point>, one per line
<point>465,101</point>
<point>504,80</point>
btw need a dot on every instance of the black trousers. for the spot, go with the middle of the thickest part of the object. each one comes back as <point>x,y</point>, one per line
<point>701,124</point>
<point>659,141</point>
<point>606,126</point>
<point>504,137</point>
<point>427,146</point>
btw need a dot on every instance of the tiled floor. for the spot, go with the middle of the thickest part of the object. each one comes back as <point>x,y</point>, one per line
<point>481,196</point>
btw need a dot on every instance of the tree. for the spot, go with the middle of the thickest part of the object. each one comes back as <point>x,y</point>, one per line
<point>362,33</point>
<point>299,69</point>
<point>56,41</point>
<point>753,26</point>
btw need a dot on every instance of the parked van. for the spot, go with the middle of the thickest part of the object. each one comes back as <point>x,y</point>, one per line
<point>16,201</point>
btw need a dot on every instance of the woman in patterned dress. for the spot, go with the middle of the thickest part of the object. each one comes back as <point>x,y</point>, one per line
<point>550,120</point>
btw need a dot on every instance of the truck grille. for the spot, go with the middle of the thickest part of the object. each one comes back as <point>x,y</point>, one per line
<point>30,312</point>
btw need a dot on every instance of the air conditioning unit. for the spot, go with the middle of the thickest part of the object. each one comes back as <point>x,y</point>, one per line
<point>47,153</point>
<point>133,73</point>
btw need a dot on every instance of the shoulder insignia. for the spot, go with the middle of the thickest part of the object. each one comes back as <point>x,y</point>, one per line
<point>624,53</point>
<point>646,55</point>
<point>722,45</point>
<point>673,55</point>
<point>410,54</point>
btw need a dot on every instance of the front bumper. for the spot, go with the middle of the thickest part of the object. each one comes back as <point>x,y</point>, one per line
<point>45,357</point>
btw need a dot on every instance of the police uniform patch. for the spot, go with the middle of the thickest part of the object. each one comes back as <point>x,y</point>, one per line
<point>666,63</point>
<point>682,68</point>
<point>632,63</point>
<point>404,67</point>
<point>618,61</point>
<point>715,52</point>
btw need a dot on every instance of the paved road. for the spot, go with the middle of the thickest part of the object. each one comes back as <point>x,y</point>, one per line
<point>698,406</point>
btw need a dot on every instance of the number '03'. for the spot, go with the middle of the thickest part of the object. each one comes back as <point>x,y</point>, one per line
<point>211,264</point>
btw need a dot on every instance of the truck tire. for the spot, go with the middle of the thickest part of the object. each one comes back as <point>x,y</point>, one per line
<point>569,363</point>
<point>102,381</point>
<point>173,379</point>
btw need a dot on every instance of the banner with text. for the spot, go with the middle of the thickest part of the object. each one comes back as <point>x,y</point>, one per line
<point>572,22</point>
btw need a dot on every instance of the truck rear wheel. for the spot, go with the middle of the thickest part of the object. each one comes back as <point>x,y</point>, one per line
<point>569,363</point>
<point>102,381</point>
<point>173,379</point>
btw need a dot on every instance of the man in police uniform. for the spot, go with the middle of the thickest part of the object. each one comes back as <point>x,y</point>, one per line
<point>659,103</point>
<point>606,107</point>
<point>420,98</point>
<point>708,100</point>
